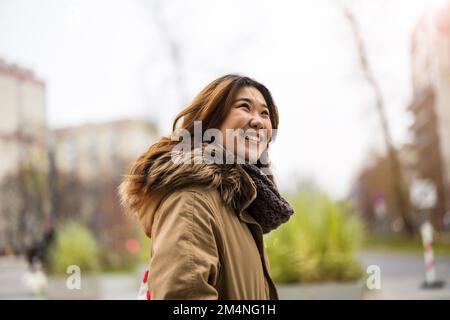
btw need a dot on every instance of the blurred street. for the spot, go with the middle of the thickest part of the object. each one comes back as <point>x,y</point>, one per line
<point>112,286</point>
<point>11,272</point>
<point>401,277</point>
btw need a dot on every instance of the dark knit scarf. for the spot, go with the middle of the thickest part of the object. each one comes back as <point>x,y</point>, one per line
<point>269,208</point>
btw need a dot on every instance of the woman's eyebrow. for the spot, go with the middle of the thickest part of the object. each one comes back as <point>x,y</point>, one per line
<point>250,101</point>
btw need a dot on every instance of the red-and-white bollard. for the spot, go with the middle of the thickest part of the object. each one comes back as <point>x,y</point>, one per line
<point>430,271</point>
<point>144,293</point>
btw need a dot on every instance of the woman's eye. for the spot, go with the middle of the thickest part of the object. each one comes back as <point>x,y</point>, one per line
<point>266,113</point>
<point>245,106</point>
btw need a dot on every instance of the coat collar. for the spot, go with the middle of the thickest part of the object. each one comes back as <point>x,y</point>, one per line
<point>142,192</point>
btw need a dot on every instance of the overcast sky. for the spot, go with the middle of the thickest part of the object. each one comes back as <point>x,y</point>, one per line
<point>106,60</point>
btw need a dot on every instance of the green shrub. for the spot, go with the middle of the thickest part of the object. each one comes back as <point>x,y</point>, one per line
<point>146,244</point>
<point>74,245</point>
<point>318,243</point>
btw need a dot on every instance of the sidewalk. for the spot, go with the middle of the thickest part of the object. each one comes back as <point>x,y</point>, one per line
<point>402,275</point>
<point>111,286</point>
<point>12,270</point>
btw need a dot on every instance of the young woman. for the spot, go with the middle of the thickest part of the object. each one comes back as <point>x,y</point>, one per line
<point>206,219</point>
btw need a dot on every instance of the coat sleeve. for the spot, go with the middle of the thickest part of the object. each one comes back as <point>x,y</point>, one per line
<point>184,263</point>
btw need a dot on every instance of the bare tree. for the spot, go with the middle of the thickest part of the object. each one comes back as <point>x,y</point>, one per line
<point>397,176</point>
<point>173,44</point>
<point>173,41</point>
<point>25,207</point>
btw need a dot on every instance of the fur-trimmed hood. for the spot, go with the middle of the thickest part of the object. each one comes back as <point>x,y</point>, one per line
<point>149,182</point>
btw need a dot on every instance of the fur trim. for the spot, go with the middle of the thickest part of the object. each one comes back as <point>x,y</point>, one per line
<point>144,187</point>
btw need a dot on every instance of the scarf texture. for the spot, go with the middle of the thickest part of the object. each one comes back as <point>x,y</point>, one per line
<point>269,208</point>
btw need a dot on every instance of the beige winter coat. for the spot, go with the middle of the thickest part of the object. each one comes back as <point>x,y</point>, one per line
<point>204,243</point>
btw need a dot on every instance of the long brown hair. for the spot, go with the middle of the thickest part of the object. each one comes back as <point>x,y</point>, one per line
<point>210,106</point>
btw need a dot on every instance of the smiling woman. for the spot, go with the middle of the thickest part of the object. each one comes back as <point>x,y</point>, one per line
<point>206,220</point>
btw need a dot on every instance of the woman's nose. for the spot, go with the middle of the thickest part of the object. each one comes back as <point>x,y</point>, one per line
<point>256,123</point>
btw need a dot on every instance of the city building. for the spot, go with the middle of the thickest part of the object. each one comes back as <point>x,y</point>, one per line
<point>89,162</point>
<point>24,169</point>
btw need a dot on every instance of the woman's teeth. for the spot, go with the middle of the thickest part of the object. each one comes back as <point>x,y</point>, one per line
<point>254,139</point>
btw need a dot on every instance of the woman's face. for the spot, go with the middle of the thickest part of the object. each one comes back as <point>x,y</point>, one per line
<point>247,127</point>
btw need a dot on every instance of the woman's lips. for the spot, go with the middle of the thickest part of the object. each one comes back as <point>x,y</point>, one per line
<point>253,138</point>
